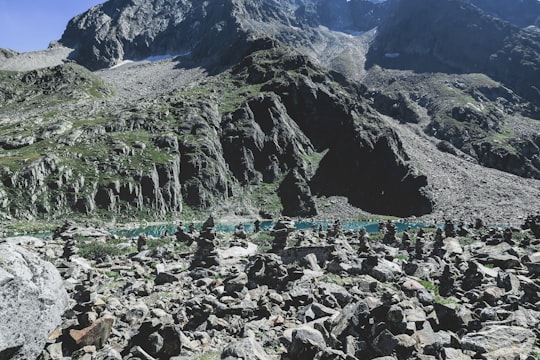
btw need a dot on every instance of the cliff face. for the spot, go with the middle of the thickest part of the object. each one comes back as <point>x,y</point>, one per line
<point>116,30</point>
<point>461,39</point>
<point>214,33</point>
<point>258,124</point>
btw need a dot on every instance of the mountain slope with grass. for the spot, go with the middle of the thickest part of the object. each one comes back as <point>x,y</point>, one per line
<point>273,107</point>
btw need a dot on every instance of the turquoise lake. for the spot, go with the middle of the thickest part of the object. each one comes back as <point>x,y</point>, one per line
<point>160,230</point>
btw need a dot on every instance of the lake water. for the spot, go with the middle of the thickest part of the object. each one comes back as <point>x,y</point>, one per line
<point>160,230</point>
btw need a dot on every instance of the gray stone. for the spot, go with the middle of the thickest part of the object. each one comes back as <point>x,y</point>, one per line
<point>497,342</point>
<point>246,349</point>
<point>386,271</point>
<point>33,300</point>
<point>136,313</point>
<point>306,342</point>
<point>452,246</point>
<point>455,354</point>
<point>385,343</point>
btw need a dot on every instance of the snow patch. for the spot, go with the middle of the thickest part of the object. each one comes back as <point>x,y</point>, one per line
<point>150,59</point>
<point>352,32</point>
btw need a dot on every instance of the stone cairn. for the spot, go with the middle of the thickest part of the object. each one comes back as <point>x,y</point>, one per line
<point>257,226</point>
<point>206,254</point>
<point>182,236</point>
<point>419,248</point>
<point>438,244</point>
<point>533,223</point>
<point>406,243</point>
<point>479,224</point>
<point>240,237</point>
<point>142,242</point>
<point>507,236</point>
<point>449,228</point>
<point>70,245</point>
<point>390,232</point>
<point>336,230</point>
<point>363,241</point>
<point>462,230</point>
<point>70,249</point>
<point>280,232</point>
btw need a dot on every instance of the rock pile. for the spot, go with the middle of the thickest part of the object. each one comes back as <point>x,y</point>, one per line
<point>442,297</point>
<point>280,232</point>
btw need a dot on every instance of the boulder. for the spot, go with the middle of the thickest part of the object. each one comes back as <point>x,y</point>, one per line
<point>500,342</point>
<point>246,349</point>
<point>306,342</point>
<point>33,300</point>
<point>385,343</point>
<point>95,334</point>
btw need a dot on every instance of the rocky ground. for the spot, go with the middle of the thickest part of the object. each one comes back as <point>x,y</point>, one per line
<point>462,292</point>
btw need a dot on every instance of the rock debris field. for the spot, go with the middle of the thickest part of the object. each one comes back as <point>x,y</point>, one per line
<point>461,291</point>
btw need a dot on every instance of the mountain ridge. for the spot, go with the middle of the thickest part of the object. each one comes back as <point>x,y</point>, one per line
<point>245,113</point>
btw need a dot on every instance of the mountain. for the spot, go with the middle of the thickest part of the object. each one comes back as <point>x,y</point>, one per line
<point>160,108</point>
<point>461,39</point>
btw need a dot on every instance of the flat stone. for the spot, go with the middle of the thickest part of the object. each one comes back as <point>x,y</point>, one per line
<point>95,334</point>
<point>238,251</point>
<point>507,342</point>
<point>455,354</point>
<point>452,246</point>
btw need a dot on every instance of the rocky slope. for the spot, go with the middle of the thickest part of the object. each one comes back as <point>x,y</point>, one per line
<point>497,48</point>
<point>244,127</point>
<point>521,13</point>
<point>236,119</point>
<point>462,292</point>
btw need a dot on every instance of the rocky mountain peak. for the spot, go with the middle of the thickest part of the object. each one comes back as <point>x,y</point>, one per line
<point>213,32</point>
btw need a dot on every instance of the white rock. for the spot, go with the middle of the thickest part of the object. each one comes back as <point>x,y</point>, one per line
<point>32,298</point>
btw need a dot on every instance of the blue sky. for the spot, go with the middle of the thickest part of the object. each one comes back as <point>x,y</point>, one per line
<point>27,25</point>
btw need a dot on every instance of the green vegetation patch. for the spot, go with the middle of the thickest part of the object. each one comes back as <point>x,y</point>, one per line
<point>95,250</point>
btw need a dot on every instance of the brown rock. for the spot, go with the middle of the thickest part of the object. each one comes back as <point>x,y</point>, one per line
<point>95,334</point>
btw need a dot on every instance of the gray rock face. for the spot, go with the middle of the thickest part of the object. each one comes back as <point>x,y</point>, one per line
<point>442,50</point>
<point>111,32</point>
<point>33,300</point>
<point>114,31</point>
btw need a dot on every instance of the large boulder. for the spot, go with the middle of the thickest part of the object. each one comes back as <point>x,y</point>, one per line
<point>500,342</point>
<point>247,349</point>
<point>33,299</point>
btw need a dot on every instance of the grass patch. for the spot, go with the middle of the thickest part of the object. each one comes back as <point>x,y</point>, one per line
<point>112,275</point>
<point>93,250</point>
<point>438,298</point>
<point>463,241</point>
<point>214,355</point>
<point>153,244</point>
<point>402,257</point>
<point>30,227</point>
<point>429,286</point>
<point>263,240</point>
<point>264,196</point>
